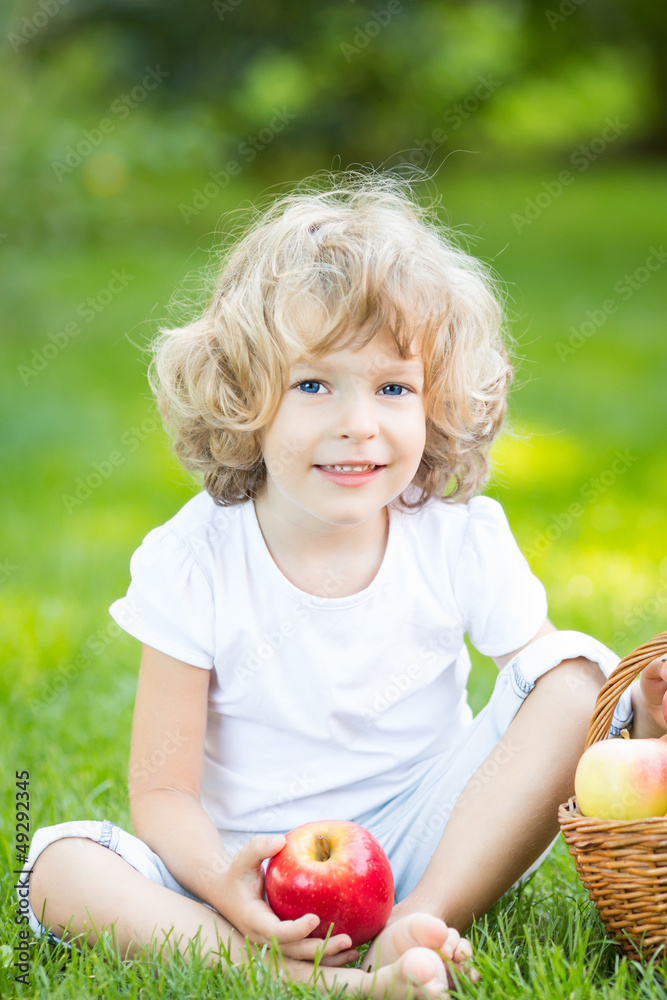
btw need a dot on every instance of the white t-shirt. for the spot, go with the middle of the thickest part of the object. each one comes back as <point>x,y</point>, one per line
<point>324,707</point>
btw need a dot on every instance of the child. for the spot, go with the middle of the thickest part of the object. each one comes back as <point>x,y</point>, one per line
<point>303,617</point>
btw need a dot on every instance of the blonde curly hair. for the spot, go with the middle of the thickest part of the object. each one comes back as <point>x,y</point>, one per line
<point>358,248</point>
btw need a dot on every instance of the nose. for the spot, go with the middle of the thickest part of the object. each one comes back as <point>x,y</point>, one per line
<point>355,416</point>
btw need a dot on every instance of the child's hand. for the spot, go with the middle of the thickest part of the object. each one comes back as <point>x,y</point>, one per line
<point>648,696</point>
<point>242,903</point>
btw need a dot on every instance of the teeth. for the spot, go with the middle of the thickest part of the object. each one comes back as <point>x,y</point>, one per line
<point>347,468</point>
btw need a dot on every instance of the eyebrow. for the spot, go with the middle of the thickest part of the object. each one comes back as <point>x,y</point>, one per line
<point>409,367</point>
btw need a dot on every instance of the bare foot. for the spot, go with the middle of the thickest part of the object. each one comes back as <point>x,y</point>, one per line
<point>420,931</point>
<point>419,973</point>
<point>415,973</point>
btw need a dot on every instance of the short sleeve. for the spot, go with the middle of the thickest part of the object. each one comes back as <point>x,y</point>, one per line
<point>501,602</point>
<point>169,604</point>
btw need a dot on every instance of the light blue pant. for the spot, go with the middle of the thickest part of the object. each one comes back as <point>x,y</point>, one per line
<point>410,825</point>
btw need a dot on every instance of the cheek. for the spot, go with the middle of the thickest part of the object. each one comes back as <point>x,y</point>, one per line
<point>287,448</point>
<point>274,434</point>
<point>418,435</point>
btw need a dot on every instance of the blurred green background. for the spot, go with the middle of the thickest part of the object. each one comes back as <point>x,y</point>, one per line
<point>130,130</point>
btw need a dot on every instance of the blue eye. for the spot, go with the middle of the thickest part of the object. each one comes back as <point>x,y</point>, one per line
<point>309,382</point>
<point>390,385</point>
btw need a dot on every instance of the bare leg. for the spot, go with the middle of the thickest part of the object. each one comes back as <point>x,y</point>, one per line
<point>507,814</point>
<point>140,913</point>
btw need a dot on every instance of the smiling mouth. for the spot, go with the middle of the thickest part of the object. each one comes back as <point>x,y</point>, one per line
<point>350,468</point>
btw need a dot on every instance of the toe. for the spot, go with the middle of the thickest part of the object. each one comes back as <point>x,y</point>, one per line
<point>423,930</point>
<point>421,968</point>
<point>450,944</point>
<point>463,951</point>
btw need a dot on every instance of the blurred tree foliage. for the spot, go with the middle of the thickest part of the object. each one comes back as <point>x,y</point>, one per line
<point>314,84</point>
<point>364,81</point>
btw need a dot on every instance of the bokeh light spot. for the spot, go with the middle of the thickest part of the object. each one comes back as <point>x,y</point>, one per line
<point>580,586</point>
<point>105,175</point>
<point>605,516</point>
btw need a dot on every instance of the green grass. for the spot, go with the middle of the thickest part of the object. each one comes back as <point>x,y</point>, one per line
<point>69,674</point>
<point>542,941</point>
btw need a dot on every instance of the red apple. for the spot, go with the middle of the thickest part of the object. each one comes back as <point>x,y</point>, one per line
<point>336,870</point>
<point>623,779</point>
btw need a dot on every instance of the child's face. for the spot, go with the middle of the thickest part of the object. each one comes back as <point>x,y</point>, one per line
<point>350,408</point>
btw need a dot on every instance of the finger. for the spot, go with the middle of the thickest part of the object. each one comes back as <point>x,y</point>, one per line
<point>342,942</point>
<point>263,846</point>
<point>342,958</point>
<point>312,945</point>
<point>657,668</point>
<point>339,953</point>
<point>289,931</point>
<point>298,931</point>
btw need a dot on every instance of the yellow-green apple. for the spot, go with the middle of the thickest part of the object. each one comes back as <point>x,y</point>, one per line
<point>623,779</point>
<point>337,870</point>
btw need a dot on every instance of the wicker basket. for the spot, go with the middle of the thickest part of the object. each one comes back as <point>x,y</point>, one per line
<point>622,863</point>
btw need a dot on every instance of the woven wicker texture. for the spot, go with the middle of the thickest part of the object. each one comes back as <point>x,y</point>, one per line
<point>622,863</point>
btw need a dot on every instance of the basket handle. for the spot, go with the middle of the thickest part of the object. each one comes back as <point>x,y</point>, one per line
<point>618,681</point>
